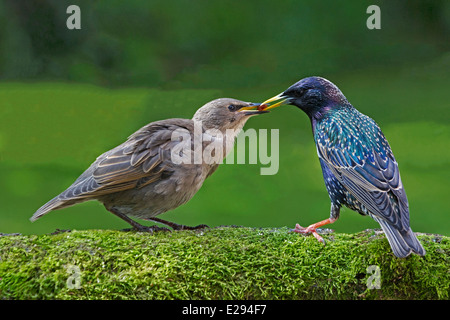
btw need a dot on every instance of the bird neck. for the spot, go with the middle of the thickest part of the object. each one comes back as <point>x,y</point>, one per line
<point>217,144</point>
<point>324,113</point>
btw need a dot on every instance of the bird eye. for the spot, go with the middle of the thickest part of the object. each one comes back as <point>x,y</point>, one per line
<point>232,108</point>
<point>299,92</point>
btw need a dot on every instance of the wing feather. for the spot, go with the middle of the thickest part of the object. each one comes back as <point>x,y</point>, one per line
<point>363,162</point>
<point>136,163</point>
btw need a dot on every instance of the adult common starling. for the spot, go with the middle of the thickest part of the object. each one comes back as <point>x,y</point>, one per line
<point>358,165</point>
<point>142,178</point>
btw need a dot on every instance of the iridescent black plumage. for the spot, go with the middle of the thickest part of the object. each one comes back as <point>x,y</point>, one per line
<point>359,168</point>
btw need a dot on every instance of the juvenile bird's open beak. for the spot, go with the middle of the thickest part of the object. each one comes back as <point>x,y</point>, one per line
<point>254,108</point>
<point>276,101</point>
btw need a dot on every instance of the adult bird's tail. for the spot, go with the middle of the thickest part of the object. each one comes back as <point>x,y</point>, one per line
<point>402,242</point>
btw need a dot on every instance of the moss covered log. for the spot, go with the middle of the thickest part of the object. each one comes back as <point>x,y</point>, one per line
<point>219,263</point>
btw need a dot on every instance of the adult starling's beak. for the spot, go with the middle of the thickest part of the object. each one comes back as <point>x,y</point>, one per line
<point>276,101</point>
<point>254,108</point>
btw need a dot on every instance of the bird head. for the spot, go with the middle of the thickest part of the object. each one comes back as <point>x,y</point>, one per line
<point>312,95</point>
<point>226,113</point>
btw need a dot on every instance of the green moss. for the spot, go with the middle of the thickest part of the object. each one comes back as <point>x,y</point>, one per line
<point>219,263</point>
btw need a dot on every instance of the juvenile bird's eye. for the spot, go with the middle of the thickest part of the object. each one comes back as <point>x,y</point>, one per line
<point>232,107</point>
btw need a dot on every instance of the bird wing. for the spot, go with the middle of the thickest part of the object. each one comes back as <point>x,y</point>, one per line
<point>136,163</point>
<point>361,158</point>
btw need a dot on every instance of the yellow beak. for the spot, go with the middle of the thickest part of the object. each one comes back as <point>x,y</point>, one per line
<point>252,109</point>
<point>276,101</point>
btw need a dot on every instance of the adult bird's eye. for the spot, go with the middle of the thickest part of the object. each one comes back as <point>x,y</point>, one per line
<point>295,92</point>
<point>299,92</point>
<point>232,107</point>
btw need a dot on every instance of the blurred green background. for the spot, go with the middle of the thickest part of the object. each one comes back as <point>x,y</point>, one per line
<point>66,96</point>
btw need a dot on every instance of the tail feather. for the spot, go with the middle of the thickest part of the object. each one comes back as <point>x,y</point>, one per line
<point>403,243</point>
<point>76,193</point>
<point>54,204</point>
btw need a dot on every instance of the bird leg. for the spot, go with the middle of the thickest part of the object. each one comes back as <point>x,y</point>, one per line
<point>176,226</point>
<point>134,224</point>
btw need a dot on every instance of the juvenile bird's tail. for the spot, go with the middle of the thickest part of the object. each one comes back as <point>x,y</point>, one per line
<point>402,242</point>
<point>54,204</point>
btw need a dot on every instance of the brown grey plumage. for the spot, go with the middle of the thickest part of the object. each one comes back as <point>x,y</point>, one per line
<point>139,179</point>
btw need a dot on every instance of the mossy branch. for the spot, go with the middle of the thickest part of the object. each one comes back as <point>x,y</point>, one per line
<point>219,263</point>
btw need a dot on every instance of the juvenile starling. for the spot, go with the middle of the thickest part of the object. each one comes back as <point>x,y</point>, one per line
<point>140,178</point>
<point>358,165</point>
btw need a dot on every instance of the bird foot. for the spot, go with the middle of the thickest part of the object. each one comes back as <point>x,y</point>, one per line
<point>311,229</point>
<point>150,229</point>
<point>183,227</point>
<point>176,226</point>
<point>314,228</point>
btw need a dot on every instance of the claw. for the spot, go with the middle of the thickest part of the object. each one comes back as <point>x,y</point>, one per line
<point>298,228</point>
<point>319,238</point>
